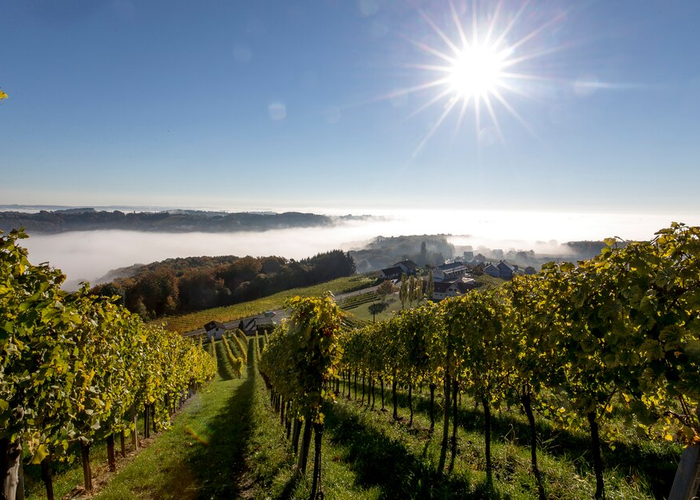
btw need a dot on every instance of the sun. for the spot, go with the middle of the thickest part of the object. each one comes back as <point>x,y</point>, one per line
<point>476,72</point>
<point>481,62</point>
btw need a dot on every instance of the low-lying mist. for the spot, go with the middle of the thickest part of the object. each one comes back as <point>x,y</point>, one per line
<point>89,255</point>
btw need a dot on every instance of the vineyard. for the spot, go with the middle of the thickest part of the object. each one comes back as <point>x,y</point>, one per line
<point>358,300</point>
<point>578,382</point>
<point>192,321</point>
<point>578,345</point>
<point>77,369</point>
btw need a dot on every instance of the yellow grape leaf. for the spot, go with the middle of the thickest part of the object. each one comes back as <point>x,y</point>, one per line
<point>40,454</point>
<point>668,437</point>
<point>3,95</point>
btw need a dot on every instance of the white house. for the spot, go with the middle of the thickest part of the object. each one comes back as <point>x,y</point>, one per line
<point>215,330</point>
<point>391,273</point>
<point>449,271</point>
<point>442,290</point>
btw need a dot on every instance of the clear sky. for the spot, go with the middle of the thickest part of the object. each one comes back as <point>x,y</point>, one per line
<point>309,103</point>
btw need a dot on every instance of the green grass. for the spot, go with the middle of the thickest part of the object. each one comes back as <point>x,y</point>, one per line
<point>402,461</point>
<point>362,312</point>
<point>272,464</point>
<point>202,455</point>
<point>192,321</point>
<point>228,443</point>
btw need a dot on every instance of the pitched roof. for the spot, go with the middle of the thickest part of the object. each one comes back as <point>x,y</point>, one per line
<point>213,325</point>
<point>443,286</point>
<point>503,265</point>
<point>255,322</point>
<point>389,271</point>
<point>451,266</point>
<point>408,263</point>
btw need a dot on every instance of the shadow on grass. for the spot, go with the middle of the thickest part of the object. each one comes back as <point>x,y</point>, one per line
<point>220,465</point>
<point>381,461</point>
<point>657,465</point>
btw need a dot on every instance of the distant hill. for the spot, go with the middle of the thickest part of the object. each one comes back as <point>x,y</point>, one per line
<point>189,284</point>
<point>172,221</point>
<point>383,251</point>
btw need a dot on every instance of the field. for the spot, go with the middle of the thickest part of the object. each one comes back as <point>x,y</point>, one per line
<point>361,311</point>
<point>192,321</point>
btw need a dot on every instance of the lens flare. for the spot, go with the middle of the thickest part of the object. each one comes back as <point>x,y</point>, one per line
<point>480,61</point>
<point>201,436</point>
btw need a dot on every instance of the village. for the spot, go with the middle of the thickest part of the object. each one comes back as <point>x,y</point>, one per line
<point>453,278</point>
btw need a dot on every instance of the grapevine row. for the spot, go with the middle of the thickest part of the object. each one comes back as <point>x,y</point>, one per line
<point>572,343</point>
<point>76,368</point>
<point>298,364</point>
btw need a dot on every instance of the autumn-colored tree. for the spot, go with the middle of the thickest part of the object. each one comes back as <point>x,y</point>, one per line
<point>385,288</point>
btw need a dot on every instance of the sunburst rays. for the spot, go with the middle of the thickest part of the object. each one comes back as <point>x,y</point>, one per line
<point>480,64</point>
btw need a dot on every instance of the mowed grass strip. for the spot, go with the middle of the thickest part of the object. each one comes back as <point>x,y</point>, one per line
<point>272,464</point>
<point>202,456</point>
<point>402,460</point>
<point>192,321</point>
<point>228,443</point>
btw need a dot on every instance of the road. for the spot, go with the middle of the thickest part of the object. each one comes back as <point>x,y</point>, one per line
<point>279,313</point>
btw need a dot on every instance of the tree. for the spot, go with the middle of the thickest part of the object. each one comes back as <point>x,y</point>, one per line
<point>475,322</point>
<point>309,349</point>
<point>417,288</point>
<point>431,285</point>
<point>404,291</point>
<point>385,288</point>
<point>377,308</point>
<point>423,254</point>
<point>73,365</point>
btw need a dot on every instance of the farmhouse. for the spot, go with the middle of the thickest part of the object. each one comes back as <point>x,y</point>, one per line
<point>492,270</point>
<point>448,272</point>
<point>215,330</point>
<point>257,324</point>
<point>407,267</point>
<point>391,273</point>
<point>504,271</point>
<point>444,289</point>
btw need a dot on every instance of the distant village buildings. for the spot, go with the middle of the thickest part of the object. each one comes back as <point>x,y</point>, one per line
<point>394,273</point>
<point>258,324</point>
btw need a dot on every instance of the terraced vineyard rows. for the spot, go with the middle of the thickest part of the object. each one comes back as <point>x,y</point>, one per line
<point>358,300</point>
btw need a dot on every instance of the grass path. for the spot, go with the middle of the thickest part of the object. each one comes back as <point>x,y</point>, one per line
<point>202,456</point>
<point>227,443</point>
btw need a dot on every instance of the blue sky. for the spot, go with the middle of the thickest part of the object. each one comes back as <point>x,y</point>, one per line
<point>283,104</point>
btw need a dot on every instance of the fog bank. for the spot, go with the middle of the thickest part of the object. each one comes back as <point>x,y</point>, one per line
<point>89,255</point>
